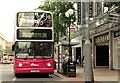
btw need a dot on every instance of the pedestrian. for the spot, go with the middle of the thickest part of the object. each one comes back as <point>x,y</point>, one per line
<point>78,61</point>
<point>66,58</point>
<point>83,61</point>
<point>74,60</point>
<point>63,64</point>
<point>66,61</point>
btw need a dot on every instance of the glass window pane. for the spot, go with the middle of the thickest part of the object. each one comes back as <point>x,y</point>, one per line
<point>34,50</point>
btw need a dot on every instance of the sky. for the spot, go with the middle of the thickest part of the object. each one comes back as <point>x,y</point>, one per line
<point>8,8</point>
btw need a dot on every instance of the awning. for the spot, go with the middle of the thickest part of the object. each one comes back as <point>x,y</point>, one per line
<point>79,45</point>
<point>71,43</point>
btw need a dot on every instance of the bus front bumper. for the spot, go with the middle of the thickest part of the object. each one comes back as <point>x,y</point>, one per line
<point>34,70</point>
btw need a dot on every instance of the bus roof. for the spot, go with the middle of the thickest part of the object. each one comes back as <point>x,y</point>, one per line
<point>37,10</point>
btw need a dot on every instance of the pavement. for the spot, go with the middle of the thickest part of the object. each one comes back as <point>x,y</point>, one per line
<point>101,75</point>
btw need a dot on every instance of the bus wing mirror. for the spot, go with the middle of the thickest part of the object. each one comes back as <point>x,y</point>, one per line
<point>13,47</point>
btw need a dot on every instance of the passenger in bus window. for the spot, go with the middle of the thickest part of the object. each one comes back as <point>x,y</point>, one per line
<point>26,49</point>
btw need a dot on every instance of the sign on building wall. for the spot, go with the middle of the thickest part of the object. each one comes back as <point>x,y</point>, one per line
<point>102,38</point>
<point>99,8</point>
<point>90,9</point>
<point>83,13</point>
<point>79,13</point>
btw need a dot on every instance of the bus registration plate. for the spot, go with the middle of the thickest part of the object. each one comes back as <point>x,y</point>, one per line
<point>34,70</point>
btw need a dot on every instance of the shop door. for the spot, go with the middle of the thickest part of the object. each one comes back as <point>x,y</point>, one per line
<point>102,55</point>
<point>78,54</point>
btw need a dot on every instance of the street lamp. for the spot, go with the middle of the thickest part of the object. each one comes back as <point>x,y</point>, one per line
<point>68,14</point>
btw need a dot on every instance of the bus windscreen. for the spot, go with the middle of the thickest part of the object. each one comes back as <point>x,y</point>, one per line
<point>34,49</point>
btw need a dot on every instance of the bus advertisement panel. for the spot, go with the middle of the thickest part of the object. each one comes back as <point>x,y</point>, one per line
<point>34,19</point>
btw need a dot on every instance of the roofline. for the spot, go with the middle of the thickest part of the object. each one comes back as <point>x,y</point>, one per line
<point>1,35</point>
<point>36,10</point>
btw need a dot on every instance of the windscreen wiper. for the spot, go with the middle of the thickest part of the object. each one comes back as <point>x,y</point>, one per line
<point>43,56</point>
<point>26,56</point>
<point>34,54</point>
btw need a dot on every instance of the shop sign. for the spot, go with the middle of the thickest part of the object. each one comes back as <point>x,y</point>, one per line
<point>102,38</point>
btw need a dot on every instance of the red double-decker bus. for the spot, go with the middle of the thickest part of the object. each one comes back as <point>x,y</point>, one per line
<point>33,43</point>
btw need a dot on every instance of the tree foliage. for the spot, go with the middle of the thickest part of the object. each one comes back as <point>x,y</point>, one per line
<point>8,51</point>
<point>58,9</point>
<point>110,4</point>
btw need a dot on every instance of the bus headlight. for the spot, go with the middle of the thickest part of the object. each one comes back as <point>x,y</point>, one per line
<point>20,64</point>
<point>48,64</point>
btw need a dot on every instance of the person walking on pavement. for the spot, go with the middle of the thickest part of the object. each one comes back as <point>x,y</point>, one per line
<point>78,61</point>
<point>63,64</point>
<point>83,61</point>
<point>74,59</point>
<point>66,60</point>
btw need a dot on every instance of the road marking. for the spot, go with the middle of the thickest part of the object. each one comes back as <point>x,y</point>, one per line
<point>13,80</point>
<point>11,64</point>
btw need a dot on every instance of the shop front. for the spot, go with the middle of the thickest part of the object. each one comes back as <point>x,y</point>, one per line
<point>101,48</point>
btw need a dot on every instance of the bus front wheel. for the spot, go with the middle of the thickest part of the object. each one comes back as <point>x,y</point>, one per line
<point>17,75</point>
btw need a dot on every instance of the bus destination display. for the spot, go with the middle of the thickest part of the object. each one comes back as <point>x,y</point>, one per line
<point>36,34</point>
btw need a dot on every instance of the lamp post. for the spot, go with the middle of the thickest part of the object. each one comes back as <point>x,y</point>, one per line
<point>58,46</point>
<point>89,78</point>
<point>68,14</point>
